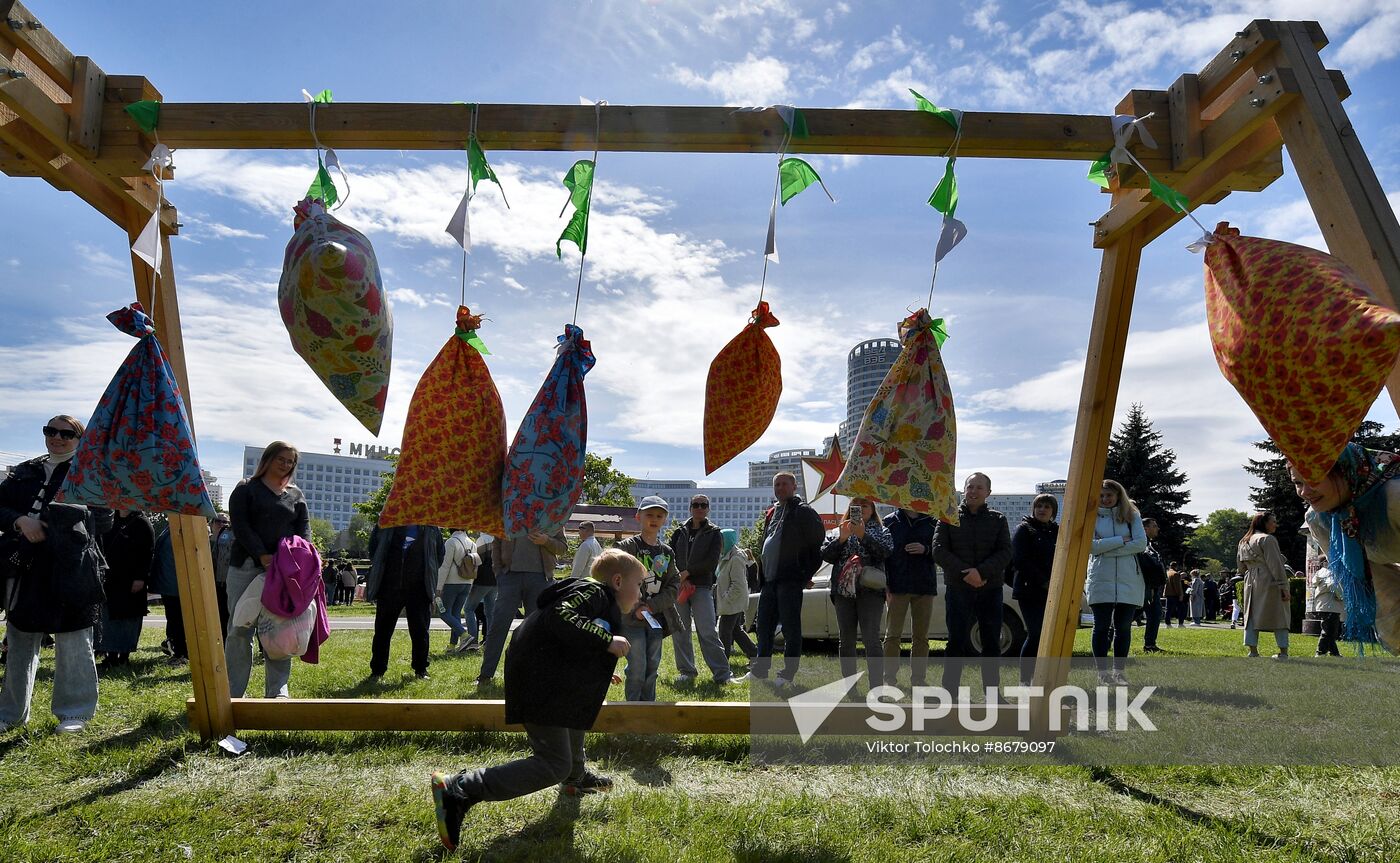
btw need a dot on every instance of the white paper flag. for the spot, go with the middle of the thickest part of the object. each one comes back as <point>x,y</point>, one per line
<point>953,233</point>
<point>460,227</point>
<point>770,248</point>
<point>147,245</point>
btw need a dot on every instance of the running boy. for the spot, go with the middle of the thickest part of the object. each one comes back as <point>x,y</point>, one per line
<point>654,617</point>
<point>558,669</point>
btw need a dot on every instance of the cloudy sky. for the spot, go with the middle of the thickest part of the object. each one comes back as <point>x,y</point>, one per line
<point>675,250</point>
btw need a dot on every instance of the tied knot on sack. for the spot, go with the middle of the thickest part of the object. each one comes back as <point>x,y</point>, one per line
<point>466,321</point>
<point>572,341</point>
<point>762,317</point>
<point>132,320</point>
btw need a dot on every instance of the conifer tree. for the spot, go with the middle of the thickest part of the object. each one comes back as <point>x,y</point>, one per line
<point>1137,459</point>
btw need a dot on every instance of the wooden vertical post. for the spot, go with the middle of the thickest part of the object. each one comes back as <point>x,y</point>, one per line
<point>1346,197</point>
<point>1103,368</point>
<point>212,713</point>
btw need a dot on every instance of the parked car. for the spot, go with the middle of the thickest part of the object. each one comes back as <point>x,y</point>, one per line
<point>819,617</point>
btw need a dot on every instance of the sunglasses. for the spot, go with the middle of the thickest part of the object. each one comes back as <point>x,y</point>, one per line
<point>66,434</point>
<point>699,506</point>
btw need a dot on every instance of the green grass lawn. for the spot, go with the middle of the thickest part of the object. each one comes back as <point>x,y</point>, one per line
<point>136,786</point>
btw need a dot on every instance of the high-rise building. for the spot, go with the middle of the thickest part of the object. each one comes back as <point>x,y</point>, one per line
<point>333,484</point>
<point>216,491</point>
<point>866,366</point>
<point>761,473</point>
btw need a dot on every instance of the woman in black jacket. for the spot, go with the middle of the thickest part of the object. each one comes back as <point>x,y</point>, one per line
<point>864,536</point>
<point>49,552</point>
<point>128,548</point>
<point>1032,556</point>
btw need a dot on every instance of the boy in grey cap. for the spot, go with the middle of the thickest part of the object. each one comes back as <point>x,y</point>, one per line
<point>653,618</point>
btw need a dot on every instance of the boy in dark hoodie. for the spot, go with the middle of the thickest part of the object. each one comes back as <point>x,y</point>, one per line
<point>558,669</point>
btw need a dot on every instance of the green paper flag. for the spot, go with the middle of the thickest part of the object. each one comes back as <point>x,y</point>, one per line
<point>796,175</point>
<point>939,328</point>
<point>324,97</point>
<point>947,114</point>
<point>476,163</point>
<point>146,113</point>
<point>1098,171</point>
<point>799,124</point>
<point>471,338</point>
<point>576,232</point>
<point>945,198</point>
<point>579,182</point>
<point>322,189</point>
<point>1171,197</point>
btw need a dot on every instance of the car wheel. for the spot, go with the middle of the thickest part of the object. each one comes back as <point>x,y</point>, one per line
<point>1013,634</point>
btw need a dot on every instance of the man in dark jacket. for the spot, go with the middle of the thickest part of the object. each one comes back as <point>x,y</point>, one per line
<point>1154,580</point>
<point>558,669</point>
<point>792,548</point>
<point>973,555</point>
<point>912,580</point>
<point>697,547</point>
<point>402,579</point>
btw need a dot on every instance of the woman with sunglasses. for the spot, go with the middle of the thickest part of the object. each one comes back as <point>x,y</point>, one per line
<point>40,599</point>
<point>263,510</point>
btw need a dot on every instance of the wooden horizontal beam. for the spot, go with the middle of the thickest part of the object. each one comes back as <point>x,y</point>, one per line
<point>684,717</point>
<point>35,41</point>
<point>635,128</point>
<point>39,130</point>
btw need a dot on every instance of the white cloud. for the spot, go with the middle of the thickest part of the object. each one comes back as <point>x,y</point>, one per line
<point>100,262</point>
<point>14,262</point>
<point>223,231</point>
<point>513,284</point>
<point>408,296</point>
<point>751,81</point>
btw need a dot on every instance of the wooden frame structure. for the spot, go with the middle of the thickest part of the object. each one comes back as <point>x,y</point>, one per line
<point>1222,130</point>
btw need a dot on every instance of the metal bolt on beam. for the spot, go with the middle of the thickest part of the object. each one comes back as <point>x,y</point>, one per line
<point>1258,103</point>
<point>1237,56</point>
<point>1264,79</point>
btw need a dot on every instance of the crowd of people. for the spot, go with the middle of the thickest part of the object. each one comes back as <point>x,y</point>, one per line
<point>82,575</point>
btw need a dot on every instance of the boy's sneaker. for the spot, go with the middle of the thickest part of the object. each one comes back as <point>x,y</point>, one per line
<point>685,680</point>
<point>591,783</point>
<point>450,808</point>
<point>71,726</point>
<point>467,646</point>
<point>782,684</point>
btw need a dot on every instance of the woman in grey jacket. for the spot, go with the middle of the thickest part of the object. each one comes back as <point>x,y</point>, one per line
<point>1114,588</point>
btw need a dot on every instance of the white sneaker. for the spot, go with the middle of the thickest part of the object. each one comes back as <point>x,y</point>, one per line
<point>71,726</point>
<point>782,684</point>
<point>734,681</point>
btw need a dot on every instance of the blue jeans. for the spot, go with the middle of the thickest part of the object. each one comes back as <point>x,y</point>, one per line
<point>480,594</point>
<point>1251,638</point>
<point>238,647</point>
<point>701,610</point>
<point>1113,627</point>
<point>454,596</point>
<point>779,602</point>
<point>515,589</point>
<point>74,676</point>
<point>643,659</point>
<point>1153,610</point>
<point>967,606</point>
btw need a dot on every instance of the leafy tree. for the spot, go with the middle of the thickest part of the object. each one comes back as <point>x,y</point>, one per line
<point>1217,539</point>
<point>603,485</point>
<point>373,505</point>
<point>322,535</point>
<point>1137,459</point>
<point>751,538</point>
<point>1276,493</point>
